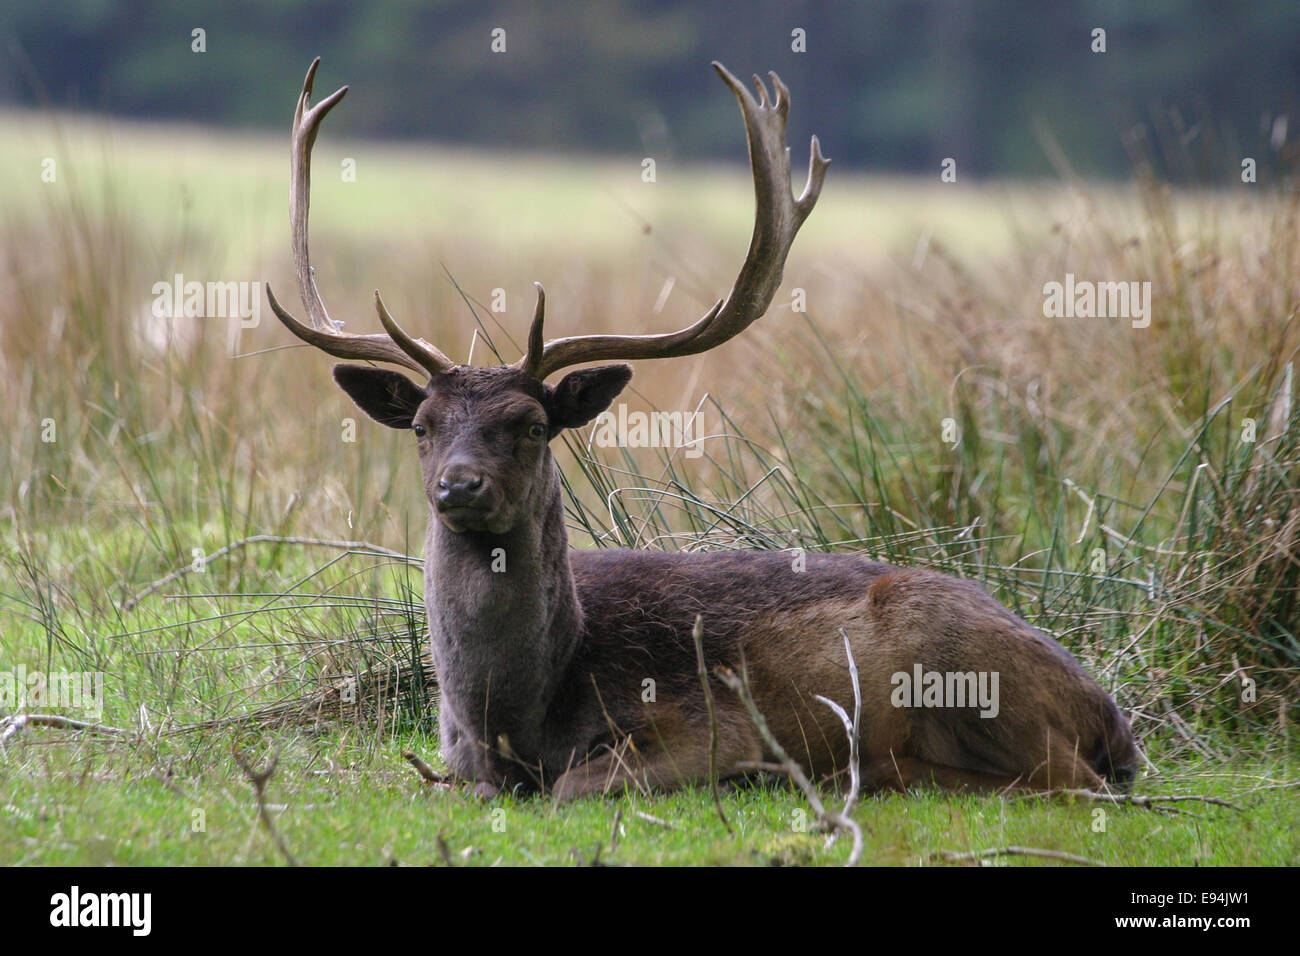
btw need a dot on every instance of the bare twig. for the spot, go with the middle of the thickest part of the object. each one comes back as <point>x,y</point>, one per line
<point>697,635</point>
<point>444,851</point>
<point>952,856</point>
<point>423,769</point>
<point>853,729</point>
<point>623,745</point>
<point>259,779</point>
<point>651,818</point>
<point>830,819</point>
<point>579,858</point>
<point>198,565</point>
<point>1276,786</point>
<point>1151,802</point>
<point>11,726</point>
<point>784,764</point>
<point>613,833</point>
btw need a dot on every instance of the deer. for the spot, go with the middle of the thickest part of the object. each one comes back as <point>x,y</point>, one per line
<point>542,666</point>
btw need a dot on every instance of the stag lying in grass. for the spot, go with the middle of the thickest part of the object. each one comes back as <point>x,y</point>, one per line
<point>543,665</point>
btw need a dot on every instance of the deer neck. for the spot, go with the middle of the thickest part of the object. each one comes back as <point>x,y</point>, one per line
<point>503,609</point>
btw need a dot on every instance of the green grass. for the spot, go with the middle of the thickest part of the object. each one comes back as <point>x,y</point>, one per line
<point>1076,439</point>
<point>338,801</point>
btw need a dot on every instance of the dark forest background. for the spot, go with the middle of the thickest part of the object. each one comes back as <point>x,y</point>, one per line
<point>890,84</point>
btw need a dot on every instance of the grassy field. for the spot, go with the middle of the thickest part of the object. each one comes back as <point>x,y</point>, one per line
<point>1132,491</point>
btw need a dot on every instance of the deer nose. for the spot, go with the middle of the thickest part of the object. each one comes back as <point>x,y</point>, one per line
<point>459,489</point>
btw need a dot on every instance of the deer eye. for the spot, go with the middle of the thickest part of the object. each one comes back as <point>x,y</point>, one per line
<point>420,430</point>
<point>537,431</point>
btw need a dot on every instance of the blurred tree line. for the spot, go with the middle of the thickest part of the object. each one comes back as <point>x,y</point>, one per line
<point>888,84</point>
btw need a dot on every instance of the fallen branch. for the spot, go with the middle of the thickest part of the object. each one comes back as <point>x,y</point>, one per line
<point>852,728</point>
<point>1152,802</point>
<point>740,687</point>
<point>259,779</point>
<point>364,547</point>
<point>651,818</point>
<point>423,769</point>
<point>11,726</point>
<point>952,856</point>
<point>829,819</point>
<point>614,831</point>
<point>1276,786</point>
<point>697,635</point>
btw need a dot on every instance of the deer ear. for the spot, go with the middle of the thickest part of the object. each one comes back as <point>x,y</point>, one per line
<point>584,394</point>
<point>386,396</point>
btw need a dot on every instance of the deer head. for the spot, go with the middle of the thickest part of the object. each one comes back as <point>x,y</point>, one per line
<point>483,433</point>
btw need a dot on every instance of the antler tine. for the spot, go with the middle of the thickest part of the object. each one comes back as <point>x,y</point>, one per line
<point>778,216</point>
<point>536,343</point>
<point>418,349</point>
<point>375,348</point>
<point>319,330</point>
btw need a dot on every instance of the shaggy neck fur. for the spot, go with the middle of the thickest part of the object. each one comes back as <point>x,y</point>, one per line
<point>502,639</point>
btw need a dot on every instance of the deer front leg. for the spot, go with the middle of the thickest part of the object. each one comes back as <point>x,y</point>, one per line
<point>670,751</point>
<point>488,770</point>
<point>905,773</point>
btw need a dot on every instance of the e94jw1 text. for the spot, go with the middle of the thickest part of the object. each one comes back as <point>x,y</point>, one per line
<point>1202,899</point>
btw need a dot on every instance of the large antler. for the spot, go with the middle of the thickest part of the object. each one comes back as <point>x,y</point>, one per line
<point>319,330</point>
<point>777,219</point>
